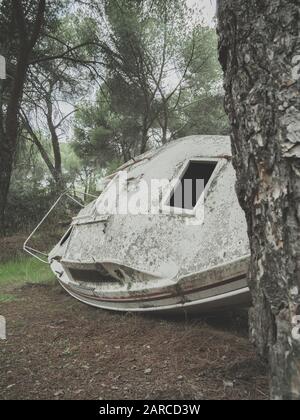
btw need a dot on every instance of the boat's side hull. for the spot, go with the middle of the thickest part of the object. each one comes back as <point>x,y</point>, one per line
<point>205,291</point>
<point>239,297</point>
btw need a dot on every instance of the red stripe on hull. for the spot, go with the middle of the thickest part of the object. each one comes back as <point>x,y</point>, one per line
<point>155,296</point>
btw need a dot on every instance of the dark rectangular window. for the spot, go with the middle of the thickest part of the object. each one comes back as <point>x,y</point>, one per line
<point>192,183</point>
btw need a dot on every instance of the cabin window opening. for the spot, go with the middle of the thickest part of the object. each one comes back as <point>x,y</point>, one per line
<point>191,185</point>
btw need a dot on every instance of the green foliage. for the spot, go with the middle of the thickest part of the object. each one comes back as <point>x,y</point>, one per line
<point>30,191</point>
<point>149,43</point>
<point>200,109</point>
<point>102,134</point>
<point>138,73</point>
<point>33,190</point>
<point>137,97</point>
<point>26,206</point>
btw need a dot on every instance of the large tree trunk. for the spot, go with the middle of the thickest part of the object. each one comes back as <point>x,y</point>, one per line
<point>9,132</point>
<point>259,48</point>
<point>10,117</point>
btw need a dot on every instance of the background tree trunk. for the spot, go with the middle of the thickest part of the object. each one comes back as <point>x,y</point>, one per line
<point>259,49</point>
<point>9,133</point>
<point>9,122</point>
<point>6,164</point>
<point>55,144</point>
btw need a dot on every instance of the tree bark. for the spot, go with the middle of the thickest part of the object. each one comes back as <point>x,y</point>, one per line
<point>9,130</point>
<point>259,49</point>
<point>55,144</point>
<point>145,136</point>
<point>6,165</point>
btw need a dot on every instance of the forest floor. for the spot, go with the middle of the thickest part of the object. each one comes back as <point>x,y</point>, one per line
<point>58,348</point>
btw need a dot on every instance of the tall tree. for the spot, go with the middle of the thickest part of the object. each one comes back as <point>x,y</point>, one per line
<point>20,31</point>
<point>160,73</point>
<point>259,49</point>
<point>55,82</point>
<point>199,108</point>
<point>142,52</point>
<point>38,38</point>
<point>100,135</point>
<point>42,117</point>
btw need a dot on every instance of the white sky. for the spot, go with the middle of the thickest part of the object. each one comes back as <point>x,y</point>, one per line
<point>205,10</point>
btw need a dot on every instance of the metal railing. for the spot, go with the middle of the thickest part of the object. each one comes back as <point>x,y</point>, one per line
<point>35,252</point>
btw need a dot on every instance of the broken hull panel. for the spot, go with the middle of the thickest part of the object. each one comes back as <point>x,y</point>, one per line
<point>210,290</point>
<point>240,297</point>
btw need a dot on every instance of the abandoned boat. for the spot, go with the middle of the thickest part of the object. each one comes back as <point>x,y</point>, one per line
<point>160,254</point>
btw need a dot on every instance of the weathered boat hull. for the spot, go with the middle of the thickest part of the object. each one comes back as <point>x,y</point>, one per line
<point>221,287</point>
<point>239,297</point>
<point>169,259</point>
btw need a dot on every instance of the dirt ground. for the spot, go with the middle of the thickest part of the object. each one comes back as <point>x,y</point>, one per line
<point>58,348</point>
